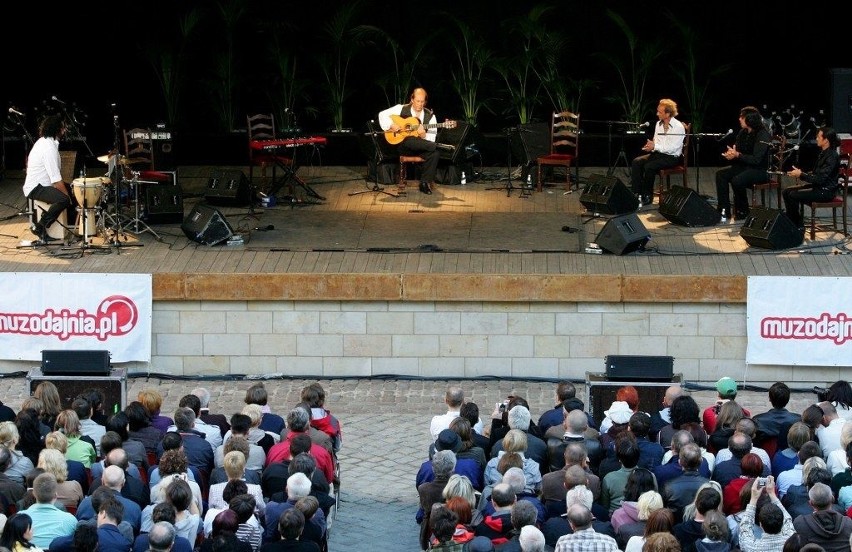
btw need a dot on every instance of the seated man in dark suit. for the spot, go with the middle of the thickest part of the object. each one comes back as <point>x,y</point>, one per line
<point>775,422</point>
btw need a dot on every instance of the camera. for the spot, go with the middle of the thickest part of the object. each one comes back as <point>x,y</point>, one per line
<point>761,482</point>
<point>821,393</point>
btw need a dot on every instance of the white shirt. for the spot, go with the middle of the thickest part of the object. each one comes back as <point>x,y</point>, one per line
<point>385,120</point>
<point>725,454</point>
<point>669,141</point>
<point>829,436</point>
<point>212,434</point>
<point>836,461</point>
<point>42,164</point>
<point>442,422</point>
<point>793,476</point>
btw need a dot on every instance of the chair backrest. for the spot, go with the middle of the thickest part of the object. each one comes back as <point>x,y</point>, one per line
<point>687,130</point>
<point>565,133</point>
<point>139,149</point>
<point>261,126</point>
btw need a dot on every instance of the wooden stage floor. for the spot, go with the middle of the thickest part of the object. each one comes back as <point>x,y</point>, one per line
<point>483,227</point>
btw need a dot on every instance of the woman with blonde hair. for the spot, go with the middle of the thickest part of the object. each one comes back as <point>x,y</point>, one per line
<point>648,502</point>
<point>51,402</point>
<point>460,486</point>
<point>234,463</point>
<point>70,493</point>
<point>153,402</point>
<point>76,470</point>
<point>19,465</point>
<point>514,441</point>
<point>78,448</point>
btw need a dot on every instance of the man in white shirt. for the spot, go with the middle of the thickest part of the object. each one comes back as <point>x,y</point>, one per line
<point>43,181</point>
<point>454,399</point>
<point>661,152</point>
<point>828,433</point>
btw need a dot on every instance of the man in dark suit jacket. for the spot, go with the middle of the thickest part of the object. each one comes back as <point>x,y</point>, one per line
<point>133,487</point>
<point>206,416</point>
<point>113,479</point>
<point>776,422</point>
<point>680,491</point>
<point>198,450</point>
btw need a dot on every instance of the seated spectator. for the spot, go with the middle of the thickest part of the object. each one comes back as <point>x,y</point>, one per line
<point>198,451</point>
<point>11,491</point>
<point>685,414</point>
<point>614,483</point>
<point>235,468</point>
<point>298,422</point>
<point>739,445</point>
<point>828,433</point>
<point>576,493</point>
<point>290,527</point>
<point>812,417</point>
<point>69,492</point>
<point>751,467</point>
<point>110,442</point>
<point>113,480</point>
<point>824,526</point>
<point>208,417</point>
<point>163,512</point>
<point>304,463</point>
<point>575,424</point>
<point>48,522</point>
<point>241,426</point>
<point>110,537</point>
<point>837,460</point>
<point>171,441</point>
<point>249,529</point>
<point>459,488</point>
<point>48,394</point>
<point>173,467</point>
<point>730,412</point>
<point>663,417</point>
<point>470,412</point>
<point>639,481</point>
<point>139,427</point>
<point>153,401</point>
<point>553,484</point>
<point>187,514</point>
<point>453,398</point>
<point>785,459</point>
<point>162,537</point>
<point>224,525</point>
<point>794,476</point>
<point>236,443</point>
<point>679,492</point>
<point>555,416</point>
<point>716,534</point>
<point>298,486</point>
<point>34,404</point>
<point>726,388</point>
<point>748,427</point>
<point>79,448</point>
<point>627,394</point>
<point>523,515</point>
<point>500,421</point>
<point>774,424</point>
<point>467,466</point>
<point>840,396</point>
<point>514,477</point>
<point>136,451</point>
<point>274,477</point>
<point>671,468</point>
<point>321,418</point>
<point>692,528</point>
<point>797,501</point>
<point>30,441</point>
<point>443,464</point>
<point>650,453</point>
<point>84,539</point>
<point>210,433</point>
<point>619,414</point>
<point>18,533</point>
<point>19,465</point>
<point>583,535</point>
<point>659,521</point>
<point>270,422</point>
<point>649,502</point>
<point>515,441</point>
<point>28,499</point>
<point>498,525</point>
<point>88,427</point>
<point>843,478</point>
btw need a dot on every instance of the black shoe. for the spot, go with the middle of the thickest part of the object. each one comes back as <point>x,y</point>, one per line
<point>741,215</point>
<point>424,187</point>
<point>37,229</point>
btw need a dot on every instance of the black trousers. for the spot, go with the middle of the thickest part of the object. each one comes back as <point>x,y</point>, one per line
<point>414,145</point>
<point>796,196</point>
<point>645,169</point>
<point>58,203</point>
<point>740,179</point>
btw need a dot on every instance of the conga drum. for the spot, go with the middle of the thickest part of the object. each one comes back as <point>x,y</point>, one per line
<point>87,192</point>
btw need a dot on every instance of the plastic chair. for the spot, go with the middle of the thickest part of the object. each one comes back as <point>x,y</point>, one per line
<point>837,202</point>
<point>681,169</point>
<point>564,146</point>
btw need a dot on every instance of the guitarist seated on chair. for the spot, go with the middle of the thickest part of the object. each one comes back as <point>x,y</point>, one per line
<point>412,128</point>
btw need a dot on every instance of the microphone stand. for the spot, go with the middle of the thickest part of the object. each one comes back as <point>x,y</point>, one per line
<point>377,158</point>
<point>117,228</point>
<point>508,187</point>
<point>621,153</point>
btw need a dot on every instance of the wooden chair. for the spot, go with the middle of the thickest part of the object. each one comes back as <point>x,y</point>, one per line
<point>564,146</point>
<point>404,162</point>
<point>681,169</point>
<point>837,202</point>
<point>261,126</point>
<point>776,168</point>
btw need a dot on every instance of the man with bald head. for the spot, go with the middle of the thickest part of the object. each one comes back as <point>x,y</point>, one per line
<point>584,536</point>
<point>113,479</point>
<point>662,417</point>
<point>453,399</point>
<point>575,428</point>
<point>133,487</point>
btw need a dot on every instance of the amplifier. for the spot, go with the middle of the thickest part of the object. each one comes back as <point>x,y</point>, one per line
<point>62,362</point>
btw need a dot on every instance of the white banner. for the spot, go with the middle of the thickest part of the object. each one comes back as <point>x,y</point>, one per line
<point>58,311</point>
<point>799,321</point>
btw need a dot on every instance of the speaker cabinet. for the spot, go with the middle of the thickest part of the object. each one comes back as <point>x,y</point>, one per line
<point>162,150</point>
<point>770,229</point>
<point>623,234</point>
<point>608,195</point>
<point>79,362</point>
<point>601,393</point>
<point>227,187</point>
<point>530,141</point>
<point>206,225</point>
<point>163,204</point>
<point>459,138</point>
<point>639,368</point>
<point>113,387</point>
<point>841,99</point>
<point>684,207</point>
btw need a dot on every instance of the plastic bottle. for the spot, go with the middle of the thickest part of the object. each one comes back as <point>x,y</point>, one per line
<point>463,178</point>
<point>724,216</point>
<point>529,181</point>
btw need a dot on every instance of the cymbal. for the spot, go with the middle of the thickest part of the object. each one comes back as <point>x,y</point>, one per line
<point>104,158</point>
<point>131,161</point>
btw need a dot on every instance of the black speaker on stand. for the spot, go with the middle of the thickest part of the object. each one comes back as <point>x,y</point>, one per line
<point>206,225</point>
<point>770,229</point>
<point>684,207</point>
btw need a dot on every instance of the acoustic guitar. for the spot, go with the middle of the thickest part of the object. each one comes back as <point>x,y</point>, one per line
<point>411,127</point>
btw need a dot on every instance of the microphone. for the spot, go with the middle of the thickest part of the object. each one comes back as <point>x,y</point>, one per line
<point>57,100</point>
<point>730,131</point>
<point>16,112</point>
<point>646,124</point>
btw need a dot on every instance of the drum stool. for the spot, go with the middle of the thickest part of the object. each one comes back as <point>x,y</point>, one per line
<point>55,230</point>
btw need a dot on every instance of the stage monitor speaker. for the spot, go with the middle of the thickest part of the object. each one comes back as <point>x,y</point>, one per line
<point>841,99</point>
<point>206,225</point>
<point>770,229</point>
<point>163,203</point>
<point>530,141</point>
<point>639,368</point>
<point>227,187</point>
<point>684,207</point>
<point>623,234</point>
<point>459,138</point>
<point>71,362</point>
<point>608,195</point>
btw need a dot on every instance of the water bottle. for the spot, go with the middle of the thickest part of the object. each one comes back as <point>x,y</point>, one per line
<point>463,179</point>
<point>529,181</point>
<point>724,215</point>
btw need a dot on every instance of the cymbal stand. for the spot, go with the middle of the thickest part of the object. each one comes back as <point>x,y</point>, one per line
<point>509,131</point>
<point>137,221</point>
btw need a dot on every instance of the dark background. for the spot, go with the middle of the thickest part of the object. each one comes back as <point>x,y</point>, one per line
<point>92,56</point>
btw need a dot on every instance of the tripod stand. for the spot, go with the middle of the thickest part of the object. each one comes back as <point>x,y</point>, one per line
<point>117,176</point>
<point>509,131</point>
<point>378,157</point>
